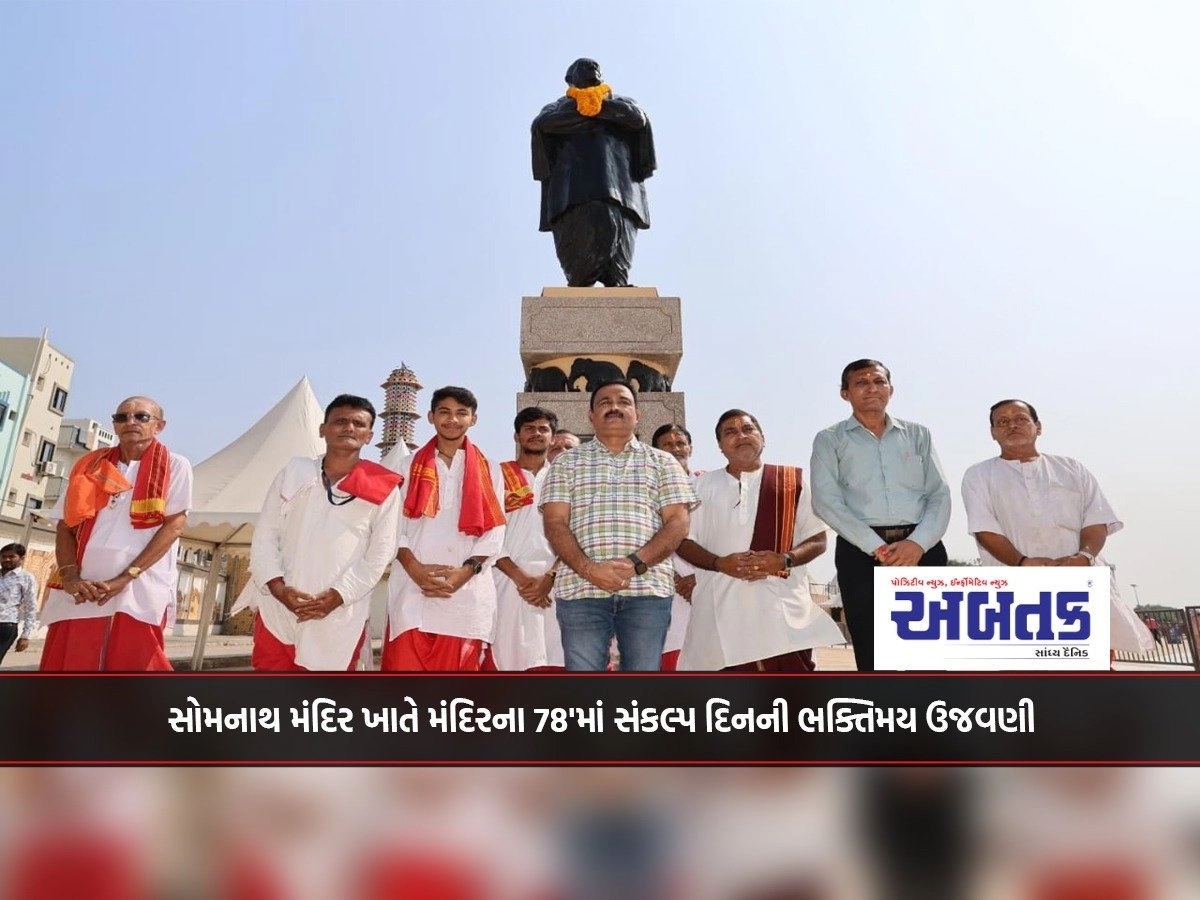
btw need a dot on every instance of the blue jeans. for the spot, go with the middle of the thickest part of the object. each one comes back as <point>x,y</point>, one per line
<point>588,626</point>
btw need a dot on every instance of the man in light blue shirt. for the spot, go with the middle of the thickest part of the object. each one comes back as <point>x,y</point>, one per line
<point>877,482</point>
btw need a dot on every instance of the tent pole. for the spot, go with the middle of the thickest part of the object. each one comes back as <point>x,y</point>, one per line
<point>209,601</point>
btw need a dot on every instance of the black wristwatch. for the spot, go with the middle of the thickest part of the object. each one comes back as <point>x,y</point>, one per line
<point>476,565</point>
<point>639,567</point>
<point>788,562</point>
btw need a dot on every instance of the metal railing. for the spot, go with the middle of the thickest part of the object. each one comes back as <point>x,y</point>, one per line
<point>1176,634</point>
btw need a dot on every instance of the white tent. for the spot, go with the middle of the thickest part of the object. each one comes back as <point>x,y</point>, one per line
<point>228,488</point>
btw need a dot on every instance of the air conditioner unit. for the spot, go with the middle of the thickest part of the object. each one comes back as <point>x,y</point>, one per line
<point>51,468</point>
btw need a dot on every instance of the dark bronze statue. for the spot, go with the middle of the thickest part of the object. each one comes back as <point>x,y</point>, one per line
<point>591,151</point>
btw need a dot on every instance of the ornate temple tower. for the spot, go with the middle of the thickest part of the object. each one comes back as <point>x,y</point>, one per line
<point>399,409</point>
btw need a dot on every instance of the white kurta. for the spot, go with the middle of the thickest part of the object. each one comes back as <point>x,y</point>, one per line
<point>314,545</point>
<point>734,621</point>
<point>1041,506</point>
<point>526,636</point>
<point>114,545</point>
<point>470,612</point>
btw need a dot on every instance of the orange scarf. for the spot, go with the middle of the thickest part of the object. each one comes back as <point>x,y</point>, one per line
<point>589,100</point>
<point>96,478</point>
<point>370,481</point>
<point>480,511</point>
<point>517,490</point>
<point>775,519</point>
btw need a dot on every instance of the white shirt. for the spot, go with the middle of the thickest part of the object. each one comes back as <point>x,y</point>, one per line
<point>314,545</point>
<point>1040,505</point>
<point>734,621</point>
<point>526,636</point>
<point>470,611</point>
<point>112,548</point>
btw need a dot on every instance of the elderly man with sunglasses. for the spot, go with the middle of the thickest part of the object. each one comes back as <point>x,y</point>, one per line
<point>119,522</point>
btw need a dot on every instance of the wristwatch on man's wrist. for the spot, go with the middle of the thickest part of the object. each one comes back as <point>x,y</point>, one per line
<point>133,571</point>
<point>639,567</point>
<point>1088,555</point>
<point>476,565</point>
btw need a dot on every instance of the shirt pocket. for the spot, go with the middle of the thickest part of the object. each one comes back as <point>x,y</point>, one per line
<point>912,472</point>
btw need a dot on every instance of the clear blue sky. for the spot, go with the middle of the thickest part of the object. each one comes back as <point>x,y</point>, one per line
<point>205,201</point>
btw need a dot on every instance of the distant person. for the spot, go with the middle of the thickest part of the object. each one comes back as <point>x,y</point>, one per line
<point>563,440</point>
<point>18,600</point>
<point>119,522</point>
<point>614,512</point>
<point>877,483</point>
<point>677,440</point>
<point>751,537</point>
<point>323,540</point>
<point>527,636</point>
<point>592,151</point>
<point>1028,508</point>
<point>441,596</point>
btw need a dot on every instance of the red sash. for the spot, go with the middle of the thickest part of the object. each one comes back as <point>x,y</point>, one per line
<point>480,511</point>
<point>518,491</point>
<point>775,519</point>
<point>95,478</point>
<point>371,482</point>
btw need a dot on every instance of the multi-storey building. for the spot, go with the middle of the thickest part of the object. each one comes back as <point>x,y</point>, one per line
<point>47,383</point>
<point>75,438</point>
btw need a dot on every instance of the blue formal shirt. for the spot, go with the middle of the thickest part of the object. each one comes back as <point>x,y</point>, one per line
<point>859,480</point>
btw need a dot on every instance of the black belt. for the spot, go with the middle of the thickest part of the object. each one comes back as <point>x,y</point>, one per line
<point>893,533</point>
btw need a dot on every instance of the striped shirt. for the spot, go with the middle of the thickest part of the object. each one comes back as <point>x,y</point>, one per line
<point>616,502</point>
<point>18,600</point>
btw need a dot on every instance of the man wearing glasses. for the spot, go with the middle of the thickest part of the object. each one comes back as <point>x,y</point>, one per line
<point>326,533</point>
<point>119,522</point>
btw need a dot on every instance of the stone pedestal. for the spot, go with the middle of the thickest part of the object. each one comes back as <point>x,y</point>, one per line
<point>572,338</point>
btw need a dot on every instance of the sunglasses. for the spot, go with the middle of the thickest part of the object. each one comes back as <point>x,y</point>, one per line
<point>143,417</point>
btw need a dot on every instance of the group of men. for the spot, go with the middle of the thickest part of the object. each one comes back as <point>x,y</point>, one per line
<point>544,562</point>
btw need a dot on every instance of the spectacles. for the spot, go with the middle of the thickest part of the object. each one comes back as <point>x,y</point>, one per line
<point>143,417</point>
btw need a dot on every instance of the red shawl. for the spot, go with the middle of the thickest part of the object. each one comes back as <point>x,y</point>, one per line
<point>480,511</point>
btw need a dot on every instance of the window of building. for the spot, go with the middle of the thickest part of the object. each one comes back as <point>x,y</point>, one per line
<point>3,414</point>
<point>27,438</point>
<point>58,400</point>
<point>45,451</point>
<point>32,503</point>
<point>41,382</point>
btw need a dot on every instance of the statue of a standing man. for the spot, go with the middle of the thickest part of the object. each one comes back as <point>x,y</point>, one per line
<point>591,152</point>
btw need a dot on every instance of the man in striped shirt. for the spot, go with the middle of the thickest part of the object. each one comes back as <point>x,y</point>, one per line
<point>614,511</point>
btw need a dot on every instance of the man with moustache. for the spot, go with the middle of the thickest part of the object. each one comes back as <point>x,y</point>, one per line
<point>614,512</point>
<point>877,482</point>
<point>677,440</point>
<point>119,523</point>
<point>441,598</point>
<point>1027,508</point>
<point>750,540</point>
<point>326,533</point>
<point>527,637</point>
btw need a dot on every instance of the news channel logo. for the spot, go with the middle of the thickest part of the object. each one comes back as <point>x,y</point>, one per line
<point>992,619</point>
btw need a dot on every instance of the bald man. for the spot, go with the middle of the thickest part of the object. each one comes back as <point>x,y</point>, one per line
<point>119,522</point>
